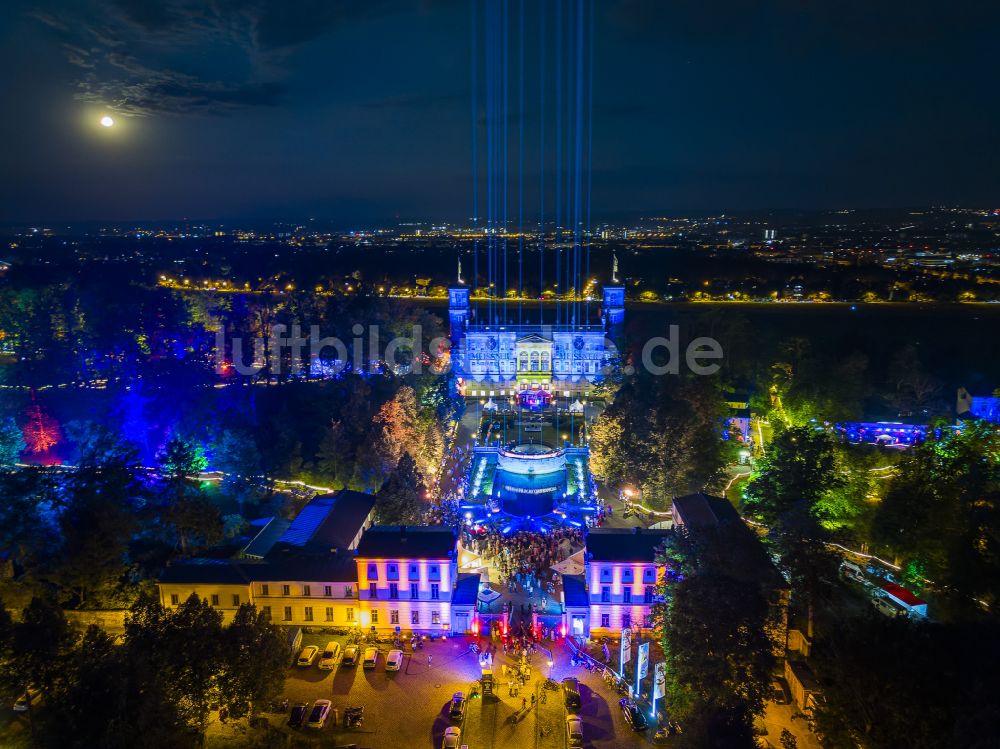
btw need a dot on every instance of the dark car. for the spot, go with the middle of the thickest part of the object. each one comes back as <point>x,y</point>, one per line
<point>298,715</point>
<point>456,712</point>
<point>633,716</point>
<point>571,693</point>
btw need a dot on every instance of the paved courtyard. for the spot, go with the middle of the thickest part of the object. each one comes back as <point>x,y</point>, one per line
<point>410,708</point>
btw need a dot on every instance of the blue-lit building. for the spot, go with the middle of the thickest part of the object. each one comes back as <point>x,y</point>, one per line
<point>551,360</point>
<point>986,407</point>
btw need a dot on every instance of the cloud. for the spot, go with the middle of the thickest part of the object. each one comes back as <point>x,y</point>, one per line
<point>125,52</point>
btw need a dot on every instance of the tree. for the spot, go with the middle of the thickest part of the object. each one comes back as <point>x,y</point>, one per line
<point>400,500</point>
<point>41,432</point>
<point>181,459</point>
<point>794,493</point>
<point>183,649</point>
<point>256,657</point>
<point>714,631</point>
<point>942,512</point>
<point>335,457</point>
<point>237,456</point>
<point>27,531</point>
<point>193,519</point>
<point>96,526</point>
<point>12,442</point>
<point>40,643</point>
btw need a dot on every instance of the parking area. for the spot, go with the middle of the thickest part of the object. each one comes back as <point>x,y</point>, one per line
<point>410,707</point>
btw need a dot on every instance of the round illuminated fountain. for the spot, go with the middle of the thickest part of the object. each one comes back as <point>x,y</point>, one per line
<point>530,479</point>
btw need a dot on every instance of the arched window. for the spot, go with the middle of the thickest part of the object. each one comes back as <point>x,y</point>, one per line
<point>524,360</point>
<point>545,361</point>
<point>534,361</point>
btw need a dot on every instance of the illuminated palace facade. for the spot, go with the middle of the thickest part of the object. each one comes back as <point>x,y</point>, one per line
<point>536,361</point>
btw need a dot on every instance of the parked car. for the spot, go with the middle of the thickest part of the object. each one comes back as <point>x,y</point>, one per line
<point>26,700</point>
<point>574,731</point>
<point>307,656</point>
<point>632,714</point>
<point>319,714</point>
<point>571,693</point>
<point>350,656</point>
<point>298,715</point>
<point>456,712</point>
<point>394,660</point>
<point>371,657</point>
<point>329,656</point>
<point>452,738</point>
<point>778,692</point>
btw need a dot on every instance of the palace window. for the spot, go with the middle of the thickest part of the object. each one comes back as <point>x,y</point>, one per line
<point>174,599</point>
<point>393,590</point>
<point>329,613</point>
<point>435,593</point>
<point>264,591</point>
<point>374,616</point>
<point>287,614</point>
<point>626,621</point>
<point>415,618</point>
<point>350,614</point>
<point>309,613</point>
<point>236,599</point>
<point>372,590</point>
<point>328,591</point>
<point>414,591</point>
<point>605,594</point>
<point>286,590</point>
<point>605,620</point>
<point>215,599</point>
<point>267,612</point>
<point>627,595</point>
<point>306,590</point>
<point>394,616</point>
<point>435,617</point>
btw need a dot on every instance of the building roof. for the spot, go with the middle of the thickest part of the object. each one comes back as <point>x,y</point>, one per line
<point>902,594</point>
<point>702,510</point>
<point>330,568</point>
<point>267,537</point>
<point>575,591</point>
<point>745,557</point>
<point>624,544</point>
<point>408,542</point>
<point>466,591</point>
<point>328,522</point>
<point>196,571</point>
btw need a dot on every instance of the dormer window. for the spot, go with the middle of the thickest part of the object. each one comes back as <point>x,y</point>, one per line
<point>373,572</point>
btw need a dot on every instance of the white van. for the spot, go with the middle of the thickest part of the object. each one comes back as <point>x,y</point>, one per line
<point>886,607</point>
<point>852,571</point>
<point>330,655</point>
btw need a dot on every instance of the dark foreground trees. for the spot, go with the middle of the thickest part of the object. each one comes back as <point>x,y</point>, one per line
<point>713,625</point>
<point>157,687</point>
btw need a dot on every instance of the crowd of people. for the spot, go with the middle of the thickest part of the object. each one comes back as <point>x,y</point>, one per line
<point>526,556</point>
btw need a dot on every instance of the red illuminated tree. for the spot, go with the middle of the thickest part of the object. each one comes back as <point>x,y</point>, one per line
<point>42,431</point>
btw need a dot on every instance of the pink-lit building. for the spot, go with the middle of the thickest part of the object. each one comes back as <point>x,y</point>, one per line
<point>621,576</point>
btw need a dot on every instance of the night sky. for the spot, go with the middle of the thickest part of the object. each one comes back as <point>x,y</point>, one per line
<point>360,111</point>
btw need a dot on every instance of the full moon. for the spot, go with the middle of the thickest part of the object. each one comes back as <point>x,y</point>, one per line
<point>107,121</point>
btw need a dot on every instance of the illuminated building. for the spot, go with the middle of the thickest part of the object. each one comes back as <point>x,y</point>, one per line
<point>621,577</point>
<point>510,360</point>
